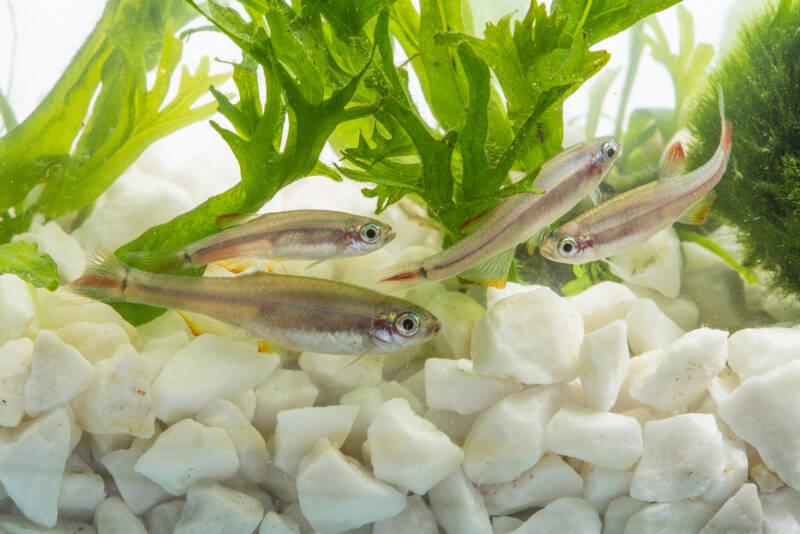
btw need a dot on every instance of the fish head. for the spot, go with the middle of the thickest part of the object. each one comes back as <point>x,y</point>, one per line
<point>403,326</point>
<point>568,245</point>
<point>604,151</point>
<point>368,235</point>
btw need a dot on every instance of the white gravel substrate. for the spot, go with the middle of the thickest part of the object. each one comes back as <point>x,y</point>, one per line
<point>614,411</point>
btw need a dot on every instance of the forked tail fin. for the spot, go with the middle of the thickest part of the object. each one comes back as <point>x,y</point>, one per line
<point>104,278</point>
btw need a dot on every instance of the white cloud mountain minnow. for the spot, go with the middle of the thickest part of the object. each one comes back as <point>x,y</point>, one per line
<point>485,254</point>
<point>634,216</point>
<point>288,235</point>
<point>309,314</point>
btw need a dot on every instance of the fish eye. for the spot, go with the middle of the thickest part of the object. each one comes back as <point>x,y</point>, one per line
<point>609,150</point>
<point>370,233</point>
<point>407,324</point>
<point>568,247</point>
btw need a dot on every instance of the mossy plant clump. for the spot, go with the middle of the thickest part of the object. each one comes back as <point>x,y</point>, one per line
<point>760,191</point>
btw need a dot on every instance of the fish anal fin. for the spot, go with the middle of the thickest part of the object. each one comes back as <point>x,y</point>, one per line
<point>698,212</point>
<point>228,220</point>
<point>202,324</point>
<point>492,271</point>
<point>674,162</point>
<point>472,219</point>
<point>266,347</point>
<point>236,265</point>
<point>537,239</point>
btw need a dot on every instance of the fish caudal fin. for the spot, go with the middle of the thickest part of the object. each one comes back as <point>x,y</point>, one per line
<point>104,279</point>
<point>156,261</point>
<point>403,276</point>
<point>726,131</point>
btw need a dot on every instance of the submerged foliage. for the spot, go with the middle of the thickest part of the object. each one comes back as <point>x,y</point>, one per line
<point>100,115</point>
<point>760,193</point>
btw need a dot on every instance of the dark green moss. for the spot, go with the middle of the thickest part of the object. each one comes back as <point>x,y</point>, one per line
<point>760,191</point>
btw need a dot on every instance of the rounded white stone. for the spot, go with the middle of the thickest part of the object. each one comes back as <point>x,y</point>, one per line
<point>162,518</point>
<point>567,514</point>
<point>395,390</point>
<point>618,512</point>
<point>604,361</point>
<point>754,351</point>
<point>682,516</point>
<point>139,492</point>
<point>732,474</point>
<point>112,515</point>
<point>398,438</point>
<point>58,374</point>
<point>453,385</point>
<point>59,245</point>
<point>94,341</point>
<point>283,389</point>
<point>368,400</point>
<point>534,337</point>
<point>458,506</point>
<point>206,369</point>
<point>57,309</point>
<point>15,367</point>
<point>649,328</point>
<point>741,514</point>
<point>187,452</point>
<point>211,508</point>
<point>781,511</point>
<point>336,374</point>
<point>455,425</point>
<point>278,524</point>
<point>80,494</point>
<point>601,485</point>
<point>550,479</point>
<point>16,307</point>
<point>603,303</point>
<point>337,494</point>
<point>682,457</point>
<point>299,429</point>
<point>416,518</point>
<point>601,438</point>
<point>457,314</point>
<point>508,438</point>
<point>656,263</point>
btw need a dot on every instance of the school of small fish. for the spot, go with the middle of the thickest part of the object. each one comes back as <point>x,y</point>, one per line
<point>327,316</point>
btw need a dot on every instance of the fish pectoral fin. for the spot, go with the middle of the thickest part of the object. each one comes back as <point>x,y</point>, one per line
<point>266,346</point>
<point>538,238</point>
<point>492,271</point>
<point>236,265</point>
<point>228,220</point>
<point>674,162</point>
<point>698,212</point>
<point>202,324</point>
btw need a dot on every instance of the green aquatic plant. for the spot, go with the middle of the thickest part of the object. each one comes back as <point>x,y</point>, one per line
<point>760,192</point>
<point>97,119</point>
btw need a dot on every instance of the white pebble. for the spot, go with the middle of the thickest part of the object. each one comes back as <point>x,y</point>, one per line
<point>683,310</point>
<point>534,337</point>
<point>682,372</point>
<point>618,512</point>
<point>112,517</point>
<point>455,425</point>
<point>604,364</point>
<point>206,369</point>
<point>368,400</point>
<point>337,494</point>
<point>398,436</point>
<point>567,514</point>
<point>458,506</point>
<point>649,328</point>
<point>495,295</point>
<point>764,412</point>
<point>16,307</point>
<point>453,385</point>
<point>246,402</point>
<point>602,485</point>
<point>682,516</point>
<point>767,481</point>
<point>187,452</point>
<point>656,263</point>
<point>732,474</point>
<point>118,399</point>
<point>781,511</point>
<point>508,438</point>
<point>32,463</point>
<point>503,524</point>
<point>81,492</point>
<point>58,374</point>
<point>250,445</point>
<point>283,389</point>
<point>58,309</point>
<point>682,456</point>
<point>299,429</point>
<point>62,247</point>
<point>336,374</point>
<point>550,479</point>
<point>457,314</point>
<point>741,514</point>
<point>395,390</point>
<point>601,438</point>
<point>755,351</point>
<point>278,524</point>
<point>93,340</point>
<point>139,492</point>
<point>15,367</point>
<point>416,518</point>
<point>415,383</point>
<point>603,303</point>
<point>162,518</point>
<point>211,509</point>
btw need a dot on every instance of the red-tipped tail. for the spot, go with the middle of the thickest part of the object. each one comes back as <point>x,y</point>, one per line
<point>104,278</point>
<point>726,136</point>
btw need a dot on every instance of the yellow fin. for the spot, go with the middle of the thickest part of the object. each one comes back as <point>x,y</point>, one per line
<point>674,162</point>
<point>492,271</point>
<point>537,239</point>
<point>266,347</point>
<point>236,265</point>
<point>698,212</point>
<point>202,324</point>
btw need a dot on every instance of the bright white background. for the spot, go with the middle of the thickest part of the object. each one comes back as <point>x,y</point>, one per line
<point>48,32</point>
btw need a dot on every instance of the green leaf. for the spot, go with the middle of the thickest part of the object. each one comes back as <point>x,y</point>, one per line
<point>600,19</point>
<point>22,259</point>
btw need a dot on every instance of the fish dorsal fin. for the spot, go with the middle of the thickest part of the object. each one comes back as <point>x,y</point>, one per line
<point>202,324</point>
<point>228,220</point>
<point>538,238</point>
<point>492,271</point>
<point>674,162</point>
<point>472,219</point>
<point>697,213</point>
